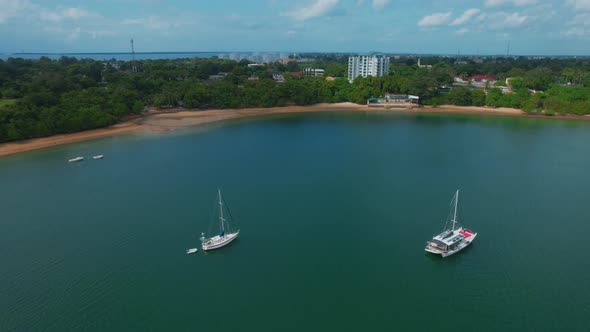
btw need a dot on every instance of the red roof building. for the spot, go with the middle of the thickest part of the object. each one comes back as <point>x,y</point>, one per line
<point>483,78</point>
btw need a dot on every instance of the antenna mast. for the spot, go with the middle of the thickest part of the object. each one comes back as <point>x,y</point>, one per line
<point>508,49</point>
<point>133,66</point>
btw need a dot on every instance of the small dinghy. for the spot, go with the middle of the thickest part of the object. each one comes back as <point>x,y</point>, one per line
<point>100,156</point>
<point>74,160</point>
<point>192,251</point>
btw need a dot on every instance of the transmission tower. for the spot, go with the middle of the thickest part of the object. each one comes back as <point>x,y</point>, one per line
<point>508,49</point>
<point>133,66</point>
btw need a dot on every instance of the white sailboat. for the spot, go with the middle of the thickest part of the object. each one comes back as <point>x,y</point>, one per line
<point>226,233</point>
<point>453,239</point>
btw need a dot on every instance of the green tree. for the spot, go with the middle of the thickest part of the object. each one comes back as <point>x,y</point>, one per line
<point>478,97</point>
<point>494,97</point>
<point>460,96</point>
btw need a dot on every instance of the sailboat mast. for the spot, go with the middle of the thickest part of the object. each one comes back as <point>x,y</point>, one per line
<point>455,213</point>
<point>221,212</point>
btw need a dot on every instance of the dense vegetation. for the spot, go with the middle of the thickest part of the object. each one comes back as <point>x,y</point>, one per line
<point>45,97</point>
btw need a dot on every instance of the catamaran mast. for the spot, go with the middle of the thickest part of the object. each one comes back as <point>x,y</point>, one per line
<point>221,212</point>
<point>455,213</point>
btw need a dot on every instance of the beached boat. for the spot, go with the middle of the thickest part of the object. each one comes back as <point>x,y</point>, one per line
<point>454,238</point>
<point>100,156</point>
<point>77,159</point>
<point>226,232</point>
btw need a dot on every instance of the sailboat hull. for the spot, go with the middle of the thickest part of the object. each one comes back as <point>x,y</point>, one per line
<point>219,241</point>
<point>446,253</point>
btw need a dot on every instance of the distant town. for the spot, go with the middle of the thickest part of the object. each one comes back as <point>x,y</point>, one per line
<point>46,94</point>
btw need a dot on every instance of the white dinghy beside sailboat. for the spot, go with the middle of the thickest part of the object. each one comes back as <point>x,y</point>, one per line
<point>226,232</point>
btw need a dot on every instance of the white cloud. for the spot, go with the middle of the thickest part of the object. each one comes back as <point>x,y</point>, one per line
<point>380,4</point>
<point>579,4</point>
<point>466,16</point>
<point>69,35</point>
<point>244,22</point>
<point>61,14</point>
<point>13,8</point>
<point>580,32</point>
<point>435,19</point>
<point>94,34</point>
<point>503,20</point>
<point>74,34</point>
<point>496,3</point>
<point>579,26</point>
<point>23,9</point>
<point>480,18</point>
<point>514,20</point>
<point>154,22</point>
<point>315,9</point>
<point>462,31</point>
<point>582,19</point>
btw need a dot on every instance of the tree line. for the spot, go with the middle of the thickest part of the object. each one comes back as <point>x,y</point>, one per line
<point>69,94</point>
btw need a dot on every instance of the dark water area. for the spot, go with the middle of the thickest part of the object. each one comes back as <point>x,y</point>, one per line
<point>118,56</point>
<point>334,211</point>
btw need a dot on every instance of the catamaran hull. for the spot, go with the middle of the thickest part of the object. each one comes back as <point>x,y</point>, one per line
<point>465,244</point>
<point>218,244</point>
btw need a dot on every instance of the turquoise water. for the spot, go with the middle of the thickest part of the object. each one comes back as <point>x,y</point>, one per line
<point>334,209</point>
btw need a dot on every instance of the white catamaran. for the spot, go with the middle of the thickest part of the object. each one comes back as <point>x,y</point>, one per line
<point>453,239</point>
<point>226,233</point>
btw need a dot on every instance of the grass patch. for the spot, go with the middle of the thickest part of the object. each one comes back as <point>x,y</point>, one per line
<point>7,102</point>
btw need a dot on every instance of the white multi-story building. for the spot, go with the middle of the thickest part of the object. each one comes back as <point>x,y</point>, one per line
<point>367,65</point>
<point>313,72</point>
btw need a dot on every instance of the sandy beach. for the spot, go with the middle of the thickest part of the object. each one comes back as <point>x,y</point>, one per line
<point>154,120</point>
<point>56,140</point>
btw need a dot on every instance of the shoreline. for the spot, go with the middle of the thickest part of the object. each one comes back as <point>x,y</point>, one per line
<point>162,121</point>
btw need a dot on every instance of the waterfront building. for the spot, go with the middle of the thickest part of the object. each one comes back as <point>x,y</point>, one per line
<point>313,72</point>
<point>376,65</point>
<point>394,101</point>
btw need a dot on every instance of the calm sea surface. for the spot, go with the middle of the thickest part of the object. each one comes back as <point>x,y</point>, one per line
<point>120,56</point>
<point>334,209</point>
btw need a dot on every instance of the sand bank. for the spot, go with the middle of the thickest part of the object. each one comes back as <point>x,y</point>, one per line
<point>46,142</point>
<point>179,118</point>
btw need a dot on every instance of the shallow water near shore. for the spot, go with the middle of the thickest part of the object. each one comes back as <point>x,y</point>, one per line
<point>335,209</point>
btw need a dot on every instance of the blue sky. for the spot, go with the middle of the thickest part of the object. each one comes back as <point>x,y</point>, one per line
<point>399,26</point>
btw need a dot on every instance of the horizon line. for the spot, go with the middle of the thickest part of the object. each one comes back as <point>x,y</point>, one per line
<point>302,52</point>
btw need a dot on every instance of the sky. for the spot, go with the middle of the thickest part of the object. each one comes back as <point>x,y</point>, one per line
<point>532,27</point>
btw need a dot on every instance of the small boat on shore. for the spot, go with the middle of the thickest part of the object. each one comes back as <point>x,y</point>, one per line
<point>75,160</point>
<point>226,232</point>
<point>453,239</point>
<point>100,156</point>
